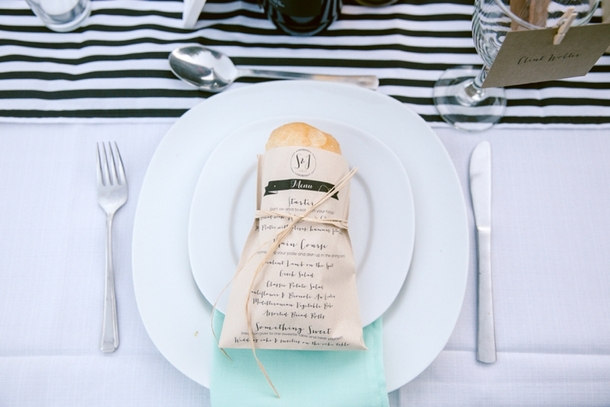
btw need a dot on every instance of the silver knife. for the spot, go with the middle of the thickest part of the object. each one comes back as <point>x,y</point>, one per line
<point>480,189</point>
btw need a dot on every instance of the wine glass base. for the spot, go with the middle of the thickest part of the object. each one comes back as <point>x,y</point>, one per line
<point>462,109</point>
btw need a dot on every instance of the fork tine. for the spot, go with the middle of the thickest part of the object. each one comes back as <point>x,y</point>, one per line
<point>107,173</point>
<point>111,165</point>
<point>100,170</point>
<point>118,161</point>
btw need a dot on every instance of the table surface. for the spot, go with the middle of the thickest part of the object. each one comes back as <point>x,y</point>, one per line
<point>551,217</point>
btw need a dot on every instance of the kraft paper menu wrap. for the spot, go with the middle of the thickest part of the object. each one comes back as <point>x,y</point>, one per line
<point>304,296</point>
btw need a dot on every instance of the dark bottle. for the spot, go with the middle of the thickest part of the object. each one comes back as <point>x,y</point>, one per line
<point>302,17</point>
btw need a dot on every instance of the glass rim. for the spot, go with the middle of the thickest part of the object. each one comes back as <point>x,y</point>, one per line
<point>530,26</point>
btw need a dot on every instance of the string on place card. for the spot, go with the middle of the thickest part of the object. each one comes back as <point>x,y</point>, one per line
<point>564,24</point>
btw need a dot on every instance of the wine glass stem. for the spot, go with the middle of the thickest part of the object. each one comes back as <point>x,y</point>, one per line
<point>473,91</point>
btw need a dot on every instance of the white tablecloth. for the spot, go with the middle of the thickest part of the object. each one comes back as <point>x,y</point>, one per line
<point>61,93</point>
<point>550,259</point>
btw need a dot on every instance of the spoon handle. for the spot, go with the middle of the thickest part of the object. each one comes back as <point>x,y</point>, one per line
<point>367,81</point>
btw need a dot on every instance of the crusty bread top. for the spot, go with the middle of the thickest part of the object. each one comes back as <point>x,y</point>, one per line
<point>302,134</point>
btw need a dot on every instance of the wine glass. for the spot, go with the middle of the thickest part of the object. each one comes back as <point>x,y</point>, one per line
<point>458,94</point>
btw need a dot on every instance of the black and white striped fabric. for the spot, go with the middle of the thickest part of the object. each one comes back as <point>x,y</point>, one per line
<point>115,66</point>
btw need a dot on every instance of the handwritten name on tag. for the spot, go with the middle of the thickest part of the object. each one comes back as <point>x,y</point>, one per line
<point>530,56</point>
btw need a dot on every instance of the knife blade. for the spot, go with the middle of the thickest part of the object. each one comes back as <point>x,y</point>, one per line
<point>480,190</point>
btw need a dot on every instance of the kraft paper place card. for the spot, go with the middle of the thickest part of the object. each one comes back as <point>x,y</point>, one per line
<point>530,56</point>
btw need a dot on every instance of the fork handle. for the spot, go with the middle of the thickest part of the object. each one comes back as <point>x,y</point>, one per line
<point>110,327</point>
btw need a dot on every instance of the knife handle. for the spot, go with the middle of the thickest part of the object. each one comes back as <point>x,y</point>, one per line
<point>486,337</point>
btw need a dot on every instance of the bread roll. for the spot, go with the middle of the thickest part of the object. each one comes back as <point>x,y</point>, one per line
<point>302,134</point>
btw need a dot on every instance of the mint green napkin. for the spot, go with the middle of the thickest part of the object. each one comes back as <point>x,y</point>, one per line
<point>302,378</point>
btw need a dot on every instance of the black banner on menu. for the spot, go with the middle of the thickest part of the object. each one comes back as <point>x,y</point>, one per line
<point>309,185</point>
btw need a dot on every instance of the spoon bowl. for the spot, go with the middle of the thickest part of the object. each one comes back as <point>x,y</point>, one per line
<point>213,71</point>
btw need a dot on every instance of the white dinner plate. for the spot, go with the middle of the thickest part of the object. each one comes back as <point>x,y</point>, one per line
<point>381,218</point>
<point>176,315</point>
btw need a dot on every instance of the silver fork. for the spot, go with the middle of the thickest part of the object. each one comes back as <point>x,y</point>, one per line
<point>111,195</point>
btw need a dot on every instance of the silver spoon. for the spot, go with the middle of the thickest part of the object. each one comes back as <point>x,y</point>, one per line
<point>212,71</point>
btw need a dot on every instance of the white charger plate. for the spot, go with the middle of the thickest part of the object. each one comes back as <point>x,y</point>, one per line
<point>175,313</point>
<point>381,218</point>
